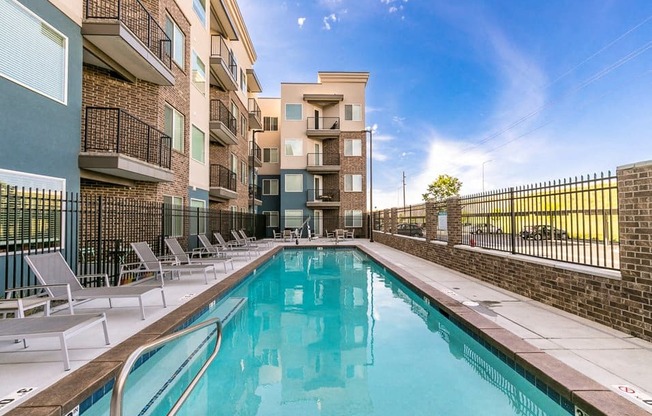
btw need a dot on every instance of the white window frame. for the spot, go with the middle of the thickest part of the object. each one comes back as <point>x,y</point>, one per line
<point>234,163</point>
<point>243,172</point>
<point>350,183</point>
<point>356,112</point>
<point>177,37</point>
<point>272,153</point>
<point>193,145</point>
<point>35,57</point>
<point>198,73</point>
<point>299,105</point>
<point>272,219</point>
<point>295,145</point>
<point>177,122</point>
<point>272,185</point>
<point>270,123</point>
<point>198,203</point>
<point>352,218</point>
<point>293,218</point>
<point>200,10</point>
<point>176,219</point>
<point>350,149</point>
<point>293,176</point>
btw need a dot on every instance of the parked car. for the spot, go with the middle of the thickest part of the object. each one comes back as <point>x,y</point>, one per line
<point>485,229</point>
<point>412,230</point>
<point>539,232</point>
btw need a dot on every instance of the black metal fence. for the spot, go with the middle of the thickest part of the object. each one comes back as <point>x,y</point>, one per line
<point>94,232</point>
<point>574,220</point>
<point>319,227</point>
<point>220,112</point>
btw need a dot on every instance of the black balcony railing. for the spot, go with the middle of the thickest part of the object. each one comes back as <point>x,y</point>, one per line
<point>256,152</point>
<point>134,15</point>
<point>219,112</point>
<point>256,192</point>
<point>323,123</point>
<point>222,177</point>
<point>323,159</point>
<point>323,195</point>
<point>219,48</point>
<point>112,130</point>
<point>254,109</point>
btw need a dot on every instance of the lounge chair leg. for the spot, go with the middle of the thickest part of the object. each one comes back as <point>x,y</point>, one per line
<point>163,296</point>
<point>106,331</point>
<point>64,350</point>
<point>142,308</point>
<point>110,303</point>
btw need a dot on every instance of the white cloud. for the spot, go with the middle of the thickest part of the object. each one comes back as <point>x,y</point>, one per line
<point>328,19</point>
<point>301,21</point>
<point>393,9</point>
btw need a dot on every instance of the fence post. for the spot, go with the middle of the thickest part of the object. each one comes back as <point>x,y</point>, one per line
<point>431,221</point>
<point>100,252</point>
<point>394,223</point>
<point>512,216</point>
<point>454,218</point>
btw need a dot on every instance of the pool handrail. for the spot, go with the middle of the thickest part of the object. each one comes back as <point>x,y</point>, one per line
<point>121,379</point>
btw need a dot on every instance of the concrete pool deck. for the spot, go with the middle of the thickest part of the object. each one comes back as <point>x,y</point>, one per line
<point>607,357</point>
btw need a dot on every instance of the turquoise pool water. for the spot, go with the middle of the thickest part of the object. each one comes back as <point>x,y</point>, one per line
<point>329,332</point>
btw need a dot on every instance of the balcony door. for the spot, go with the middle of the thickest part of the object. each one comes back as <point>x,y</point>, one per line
<point>319,187</point>
<point>316,119</point>
<point>318,222</point>
<point>318,155</point>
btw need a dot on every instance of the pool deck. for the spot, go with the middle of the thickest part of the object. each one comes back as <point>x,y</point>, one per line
<point>608,357</point>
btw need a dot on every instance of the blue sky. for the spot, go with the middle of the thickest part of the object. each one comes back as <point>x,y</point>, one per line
<point>533,91</point>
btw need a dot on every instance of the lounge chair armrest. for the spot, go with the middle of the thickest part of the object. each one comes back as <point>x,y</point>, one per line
<point>25,288</point>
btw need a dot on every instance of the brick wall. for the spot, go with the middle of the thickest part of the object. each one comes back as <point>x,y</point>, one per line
<point>621,302</point>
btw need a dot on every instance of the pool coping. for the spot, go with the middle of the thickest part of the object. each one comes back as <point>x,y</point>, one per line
<point>593,398</point>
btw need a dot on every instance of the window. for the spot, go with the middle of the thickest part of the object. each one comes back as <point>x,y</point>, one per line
<point>293,112</point>
<point>352,218</point>
<point>293,147</point>
<point>353,112</point>
<point>234,163</point>
<point>270,154</point>
<point>33,213</point>
<point>293,218</point>
<point>34,54</point>
<point>198,216</point>
<point>243,126</point>
<point>199,6</point>
<point>293,182</point>
<point>243,172</point>
<point>198,73</point>
<point>353,183</point>
<point>173,216</point>
<point>174,121</point>
<point>270,123</point>
<point>271,219</point>
<point>352,147</point>
<point>243,81</point>
<point>235,110</point>
<point>198,145</point>
<point>178,41</point>
<point>270,186</point>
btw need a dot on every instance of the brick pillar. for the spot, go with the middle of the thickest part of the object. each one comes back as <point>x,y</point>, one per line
<point>454,219</point>
<point>635,222</point>
<point>394,220</point>
<point>431,221</point>
<point>386,223</point>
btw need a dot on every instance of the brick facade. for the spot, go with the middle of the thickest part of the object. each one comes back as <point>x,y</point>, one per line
<point>620,301</point>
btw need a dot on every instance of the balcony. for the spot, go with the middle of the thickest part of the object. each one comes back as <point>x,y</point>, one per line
<point>223,183</point>
<point>323,163</point>
<point>224,69</point>
<point>253,84</point>
<point>256,192</point>
<point>257,155</point>
<point>255,119</point>
<point>323,127</point>
<point>223,125</point>
<point>323,100</point>
<point>323,198</point>
<point>123,36</point>
<point>119,144</point>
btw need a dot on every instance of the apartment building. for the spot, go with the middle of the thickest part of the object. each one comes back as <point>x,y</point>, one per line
<point>314,155</point>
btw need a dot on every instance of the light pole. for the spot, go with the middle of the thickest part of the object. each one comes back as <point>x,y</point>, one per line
<point>483,163</point>
<point>371,183</point>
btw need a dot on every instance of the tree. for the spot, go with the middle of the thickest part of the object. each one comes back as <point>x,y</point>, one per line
<point>441,188</point>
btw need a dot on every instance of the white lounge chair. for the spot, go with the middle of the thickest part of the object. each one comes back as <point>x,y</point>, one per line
<point>60,282</point>
<point>231,246</point>
<point>18,306</point>
<point>62,326</point>
<point>149,263</point>
<point>183,257</point>
<point>243,242</point>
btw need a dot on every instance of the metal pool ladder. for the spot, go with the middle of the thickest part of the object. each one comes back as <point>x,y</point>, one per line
<point>121,379</point>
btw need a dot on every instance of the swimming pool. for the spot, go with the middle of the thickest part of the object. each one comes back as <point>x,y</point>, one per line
<point>330,332</point>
